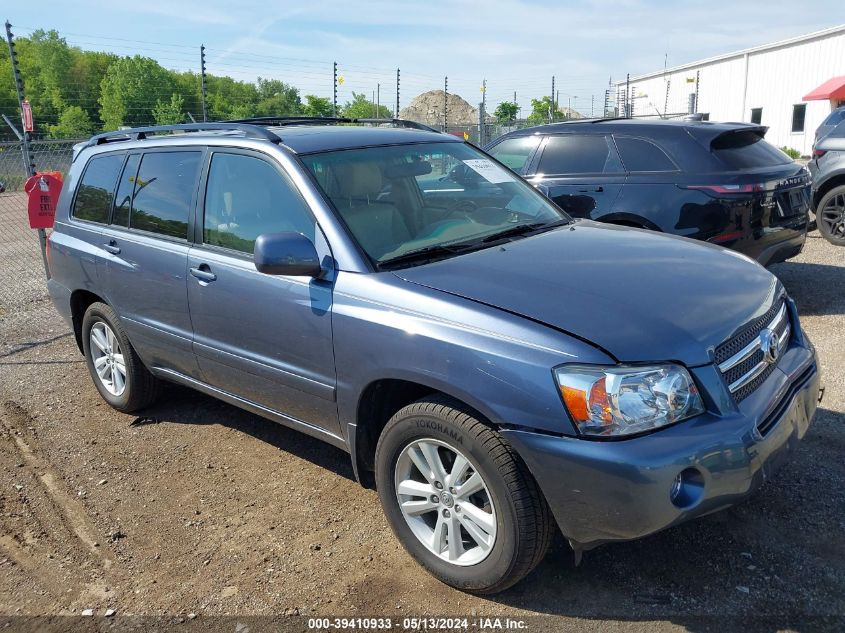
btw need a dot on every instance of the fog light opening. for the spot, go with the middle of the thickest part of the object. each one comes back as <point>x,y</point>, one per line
<point>687,489</point>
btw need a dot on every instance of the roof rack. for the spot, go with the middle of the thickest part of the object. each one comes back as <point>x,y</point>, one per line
<point>281,121</point>
<point>139,133</point>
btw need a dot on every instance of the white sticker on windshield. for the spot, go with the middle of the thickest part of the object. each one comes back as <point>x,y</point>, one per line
<point>490,171</point>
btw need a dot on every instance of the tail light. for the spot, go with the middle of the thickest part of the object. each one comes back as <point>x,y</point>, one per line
<point>818,153</point>
<point>727,189</point>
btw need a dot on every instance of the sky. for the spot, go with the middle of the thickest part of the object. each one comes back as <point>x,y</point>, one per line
<point>516,46</point>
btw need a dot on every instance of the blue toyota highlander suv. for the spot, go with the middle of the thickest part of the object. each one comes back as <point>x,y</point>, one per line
<point>498,368</point>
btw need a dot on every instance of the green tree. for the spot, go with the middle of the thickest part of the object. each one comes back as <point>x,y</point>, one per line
<point>276,98</point>
<point>130,90</point>
<point>317,106</point>
<point>541,111</point>
<point>506,112</point>
<point>74,122</point>
<point>362,108</point>
<point>169,113</point>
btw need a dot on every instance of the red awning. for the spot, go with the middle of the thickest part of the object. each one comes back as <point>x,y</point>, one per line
<point>831,89</point>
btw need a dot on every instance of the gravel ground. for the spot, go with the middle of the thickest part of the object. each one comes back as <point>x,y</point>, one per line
<point>200,508</point>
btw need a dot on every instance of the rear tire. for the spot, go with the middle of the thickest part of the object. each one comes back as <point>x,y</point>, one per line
<point>503,529</point>
<point>115,368</point>
<point>830,216</point>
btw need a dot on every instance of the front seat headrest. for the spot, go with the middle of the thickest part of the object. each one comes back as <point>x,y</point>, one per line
<point>358,180</point>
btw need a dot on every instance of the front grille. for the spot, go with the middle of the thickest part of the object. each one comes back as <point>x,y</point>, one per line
<point>741,358</point>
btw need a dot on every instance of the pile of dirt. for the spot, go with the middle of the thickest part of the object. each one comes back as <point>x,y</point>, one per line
<point>428,108</point>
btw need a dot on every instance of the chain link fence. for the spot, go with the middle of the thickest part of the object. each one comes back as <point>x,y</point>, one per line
<point>22,276</point>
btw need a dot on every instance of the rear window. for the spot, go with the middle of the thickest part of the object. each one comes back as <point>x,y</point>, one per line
<point>641,155</point>
<point>579,154</point>
<point>96,190</point>
<point>747,150</point>
<point>835,117</point>
<point>514,152</point>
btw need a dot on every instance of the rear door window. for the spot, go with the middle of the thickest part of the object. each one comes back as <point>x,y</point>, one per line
<point>747,150</point>
<point>579,154</point>
<point>640,155</point>
<point>125,188</point>
<point>96,190</point>
<point>164,192</point>
<point>515,152</point>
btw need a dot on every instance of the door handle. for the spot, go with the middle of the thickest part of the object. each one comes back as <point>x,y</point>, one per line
<point>112,247</point>
<point>203,273</point>
<point>598,189</point>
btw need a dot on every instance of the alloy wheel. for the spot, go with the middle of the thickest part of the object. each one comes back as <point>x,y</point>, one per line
<point>833,216</point>
<point>445,501</point>
<point>108,358</point>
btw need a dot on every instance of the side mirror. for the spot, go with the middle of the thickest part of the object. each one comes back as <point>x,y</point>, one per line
<point>286,254</point>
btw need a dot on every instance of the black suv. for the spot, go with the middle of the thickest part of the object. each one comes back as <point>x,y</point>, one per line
<point>719,182</point>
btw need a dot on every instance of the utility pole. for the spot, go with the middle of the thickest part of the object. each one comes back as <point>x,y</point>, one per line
<point>29,164</point>
<point>445,102</point>
<point>592,106</point>
<point>334,90</point>
<point>514,97</point>
<point>628,109</point>
<point>378,101</point>
<point>202,83</point>
<point>397,93</point>
<point>552,98</point>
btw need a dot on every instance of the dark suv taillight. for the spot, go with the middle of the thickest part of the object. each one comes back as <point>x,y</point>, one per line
<point>726,189</point>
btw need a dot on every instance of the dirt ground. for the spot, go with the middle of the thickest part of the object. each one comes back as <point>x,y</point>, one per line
<point>198,508</point>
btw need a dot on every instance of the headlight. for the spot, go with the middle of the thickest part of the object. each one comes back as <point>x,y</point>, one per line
<point>612,401</point>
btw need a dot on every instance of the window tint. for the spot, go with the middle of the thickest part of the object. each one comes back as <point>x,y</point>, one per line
<point>514,152</point>
<point>246,197</point>
<point>576,154</point>
<point>756,115</point>
<point>93,199</point>
<point>835,117</point>
<point>123,199</point>
<point>641,155</point>
<point>798,112</point>
<point>164,189</point>
<point>746,150</point>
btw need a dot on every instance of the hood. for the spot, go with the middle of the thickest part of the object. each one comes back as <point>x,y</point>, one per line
<point>640,296</point>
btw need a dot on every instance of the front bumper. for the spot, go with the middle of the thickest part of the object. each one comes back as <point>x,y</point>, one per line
<point>603,491</point>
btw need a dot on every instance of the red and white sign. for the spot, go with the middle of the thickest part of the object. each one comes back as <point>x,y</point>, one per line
<point>28,124</point>
<point>43,192</point>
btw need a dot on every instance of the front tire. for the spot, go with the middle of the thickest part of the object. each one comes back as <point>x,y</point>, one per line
<point>115,368</point>
<point>830,216</point>
<point>459,499</point>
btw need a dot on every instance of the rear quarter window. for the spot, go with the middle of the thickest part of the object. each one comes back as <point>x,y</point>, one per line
<point>747,150</point>
<point>96,189</point>
<point>641,155</point>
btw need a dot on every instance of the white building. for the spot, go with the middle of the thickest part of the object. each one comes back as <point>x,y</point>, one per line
<point>789,86</point>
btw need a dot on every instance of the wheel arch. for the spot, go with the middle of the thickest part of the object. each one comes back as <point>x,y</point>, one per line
<point>630,220</point>
<point>80,301</point>
<point>380,400</point>
<point>832,182</point>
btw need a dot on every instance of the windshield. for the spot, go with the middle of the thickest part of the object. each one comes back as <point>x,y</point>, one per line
<point>444,197</point>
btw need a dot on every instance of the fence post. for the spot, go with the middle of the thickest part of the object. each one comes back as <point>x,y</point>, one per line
<point>334,90</point>
<point>29,164</point>
<point>202,83</point>
<point>445,102</point>
<point>697,74</point>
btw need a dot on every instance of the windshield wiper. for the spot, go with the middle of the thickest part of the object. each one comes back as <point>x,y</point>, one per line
<point>421,254</point>
<point>524,229</point>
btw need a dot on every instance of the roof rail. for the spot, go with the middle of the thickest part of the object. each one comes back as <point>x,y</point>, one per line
<point>328,120</point>
<point>139,133</point>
